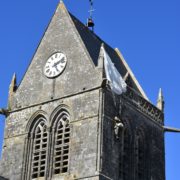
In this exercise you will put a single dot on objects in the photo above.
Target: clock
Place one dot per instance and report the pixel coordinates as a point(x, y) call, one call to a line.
point(55, 65)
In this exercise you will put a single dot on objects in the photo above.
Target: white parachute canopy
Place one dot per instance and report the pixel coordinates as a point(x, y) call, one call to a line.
point(116, 81)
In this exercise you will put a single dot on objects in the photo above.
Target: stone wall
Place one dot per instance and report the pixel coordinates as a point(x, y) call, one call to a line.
point(84, 112)
point(134, 120)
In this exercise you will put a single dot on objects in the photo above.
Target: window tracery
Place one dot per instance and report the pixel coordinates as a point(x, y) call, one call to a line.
point(39, 150)
point(61, 143)
point(47, 148)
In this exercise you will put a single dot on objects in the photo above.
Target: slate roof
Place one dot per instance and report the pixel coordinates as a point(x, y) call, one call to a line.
point(93, 44)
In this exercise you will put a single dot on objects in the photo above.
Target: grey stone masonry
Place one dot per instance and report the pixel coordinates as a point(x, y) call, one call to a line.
point(73, 127)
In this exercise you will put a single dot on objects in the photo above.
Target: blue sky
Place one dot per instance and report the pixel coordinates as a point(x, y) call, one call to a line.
point(146, 32)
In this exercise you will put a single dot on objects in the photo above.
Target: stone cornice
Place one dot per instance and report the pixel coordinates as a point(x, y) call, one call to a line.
point(144, 106)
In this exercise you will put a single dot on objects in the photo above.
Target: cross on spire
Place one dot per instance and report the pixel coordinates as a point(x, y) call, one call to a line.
point(91, 8)
point(90, 22)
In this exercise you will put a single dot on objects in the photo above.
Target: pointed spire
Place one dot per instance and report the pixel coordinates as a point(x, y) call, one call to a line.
point(101, 61)
point(61, 5)
point(13, 84)
point(101, 57)
point(160, 100)
point(12, 89)
point(61, 2)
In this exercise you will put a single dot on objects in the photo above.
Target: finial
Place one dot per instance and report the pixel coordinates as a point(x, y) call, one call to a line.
point(90, 22)
point(101, 57)
point(102, 45)
point(13, 82)
point(12, 89)
point(160, 100)
point(102, 48)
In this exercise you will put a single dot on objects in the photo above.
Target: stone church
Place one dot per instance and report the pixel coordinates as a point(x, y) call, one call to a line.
point(64, 122)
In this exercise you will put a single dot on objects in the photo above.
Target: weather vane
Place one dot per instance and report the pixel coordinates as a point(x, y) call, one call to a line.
point(90, 22)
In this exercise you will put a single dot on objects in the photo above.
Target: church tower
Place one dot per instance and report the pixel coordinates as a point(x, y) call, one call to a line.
point(69, 119)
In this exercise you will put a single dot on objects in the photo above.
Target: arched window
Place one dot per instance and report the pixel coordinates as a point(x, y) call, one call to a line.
point(140, 155)
point(126, 155)
point(47, 151)
point(36, 149)
point(61, 142)
point(125, 166)
point(39, 150)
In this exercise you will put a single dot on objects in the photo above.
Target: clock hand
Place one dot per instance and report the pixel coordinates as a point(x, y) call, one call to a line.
point(55, 64)
point(57, 68)
point(60, 61)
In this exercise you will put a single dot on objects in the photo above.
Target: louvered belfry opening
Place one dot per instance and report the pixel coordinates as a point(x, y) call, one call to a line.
point(39, 150)
point(47, 146)
point(61, 143)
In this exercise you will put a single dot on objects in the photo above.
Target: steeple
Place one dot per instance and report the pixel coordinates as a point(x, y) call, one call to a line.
point(73, 88)
point(160, 100)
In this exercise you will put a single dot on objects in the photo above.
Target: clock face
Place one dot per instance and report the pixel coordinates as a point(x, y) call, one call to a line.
point(55, 65)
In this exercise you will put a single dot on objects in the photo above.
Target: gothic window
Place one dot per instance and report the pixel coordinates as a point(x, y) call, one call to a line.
point(47, 151)
point(61, 143)
point(126, 155)
point(36, 149)
point(125, 169)
point(39, 150)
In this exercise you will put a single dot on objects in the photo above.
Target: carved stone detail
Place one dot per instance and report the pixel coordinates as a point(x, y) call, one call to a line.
point(118, 127)
point(144, 105)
